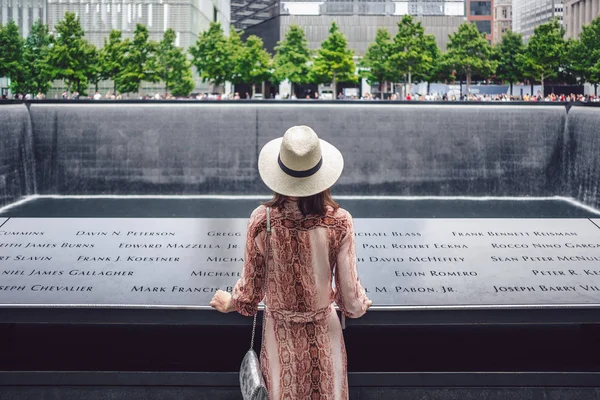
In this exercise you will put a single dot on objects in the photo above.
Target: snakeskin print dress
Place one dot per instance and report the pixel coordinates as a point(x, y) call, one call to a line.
point(303, 354)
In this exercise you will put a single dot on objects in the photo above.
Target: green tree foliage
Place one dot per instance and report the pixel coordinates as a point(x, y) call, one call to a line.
point(235, 47)
point(376, 62)
point(11, 52)
point(545, 52)
point(173, 67)
point(69, 55)
point(211, 56)
point(434, 73)
point(292, 57)
point(469, 53)
point(139, 62)
point(112, 57)
point(254, 65)
point(36, 73)
point(410, 56)
point(333, 62)
point(94, 69)
point(509, 56)
point(585, 53)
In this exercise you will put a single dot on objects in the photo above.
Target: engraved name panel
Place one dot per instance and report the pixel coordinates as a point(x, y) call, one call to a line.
point(401, 262)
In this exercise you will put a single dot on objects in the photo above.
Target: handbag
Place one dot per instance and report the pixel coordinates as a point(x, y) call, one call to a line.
point(252, 382)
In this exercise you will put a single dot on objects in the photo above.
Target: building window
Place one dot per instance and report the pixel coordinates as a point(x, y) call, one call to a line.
point(484, 26)
point(504, 13)
point(481, 8)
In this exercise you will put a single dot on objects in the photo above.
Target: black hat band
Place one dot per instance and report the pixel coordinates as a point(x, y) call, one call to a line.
point(300, 174)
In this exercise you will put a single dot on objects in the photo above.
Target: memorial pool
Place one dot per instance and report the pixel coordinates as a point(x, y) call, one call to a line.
point(477, 227)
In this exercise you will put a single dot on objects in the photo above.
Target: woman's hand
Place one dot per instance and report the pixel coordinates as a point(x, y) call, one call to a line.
point(221, 302)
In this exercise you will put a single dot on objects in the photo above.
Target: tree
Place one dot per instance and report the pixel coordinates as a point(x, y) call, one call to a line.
point(93, 69)
point(377, 60)
point(173, 68)
point(36, 73)
point(11, 51)
point(410, 55)
point(112, 57)
point(139, 62)
point(211, 56)
point(509, 55)
point(292, 57)
point(333, 62)
point(585, 54)
point(469, 53)
point(545, 52)
point(435, 72)
point(235, 47)
point(69, 55)
point(255, 63)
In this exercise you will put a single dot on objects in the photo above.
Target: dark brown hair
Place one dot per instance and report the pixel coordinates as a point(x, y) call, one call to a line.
point(311, 205)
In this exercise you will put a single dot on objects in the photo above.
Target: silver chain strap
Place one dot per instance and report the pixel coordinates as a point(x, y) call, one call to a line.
point(268, 237)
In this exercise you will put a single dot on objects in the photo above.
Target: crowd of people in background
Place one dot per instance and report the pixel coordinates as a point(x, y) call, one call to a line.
point(315, 96)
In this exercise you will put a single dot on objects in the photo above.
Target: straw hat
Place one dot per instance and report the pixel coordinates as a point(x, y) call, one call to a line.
point(299, 164)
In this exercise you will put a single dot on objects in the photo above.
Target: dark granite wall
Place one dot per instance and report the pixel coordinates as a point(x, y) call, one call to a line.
point(208, 148)
point(212, 148)
point(582, 167)
point(145, 148)
point(16, 158)
point(435, 150)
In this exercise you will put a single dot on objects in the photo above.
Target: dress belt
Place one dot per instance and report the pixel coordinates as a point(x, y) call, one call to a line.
point(300, 316)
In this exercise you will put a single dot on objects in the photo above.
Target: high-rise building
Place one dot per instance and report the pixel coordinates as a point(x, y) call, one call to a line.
point(188, 18)
point(479, 12)
point(24, 12)
point(357, 19)
point(502, 18)
point(246, 13)
point(578, 13)
point(528, 14)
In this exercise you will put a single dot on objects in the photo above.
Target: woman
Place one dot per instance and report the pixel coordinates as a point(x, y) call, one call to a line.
point(312, 243)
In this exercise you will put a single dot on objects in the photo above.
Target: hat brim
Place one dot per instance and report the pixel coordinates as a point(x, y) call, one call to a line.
point(280, 182)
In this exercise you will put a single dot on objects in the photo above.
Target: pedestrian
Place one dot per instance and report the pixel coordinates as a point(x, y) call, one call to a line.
point(311, 245)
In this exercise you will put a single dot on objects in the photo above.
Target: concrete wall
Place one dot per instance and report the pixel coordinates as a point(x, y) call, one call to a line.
point(16, 158)
point(389, 149)
point(582, 168)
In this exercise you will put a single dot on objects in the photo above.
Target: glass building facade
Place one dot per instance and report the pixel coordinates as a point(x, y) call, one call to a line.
point(479, 12)
point(528, 14)
point(98, 17)
point(24, 12)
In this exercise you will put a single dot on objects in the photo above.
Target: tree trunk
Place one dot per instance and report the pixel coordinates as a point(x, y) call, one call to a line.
point(263, 89)
point(511, 90)
point(595, 89)
point(532, 88)
point(114, 86)
point(542, 86)
point(468, 83)
point(291, 89)
point(428, 87)
point(253, 89)
point(334, 84)
point(408, 91)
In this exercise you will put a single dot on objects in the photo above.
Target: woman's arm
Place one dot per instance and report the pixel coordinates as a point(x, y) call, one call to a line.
point(350, 295)
point(250, 288)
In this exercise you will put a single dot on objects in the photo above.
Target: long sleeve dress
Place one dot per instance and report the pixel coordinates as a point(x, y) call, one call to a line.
point(303, 353)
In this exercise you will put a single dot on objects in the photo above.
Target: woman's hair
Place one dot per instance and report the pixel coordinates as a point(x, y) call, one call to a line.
point(311, 205)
